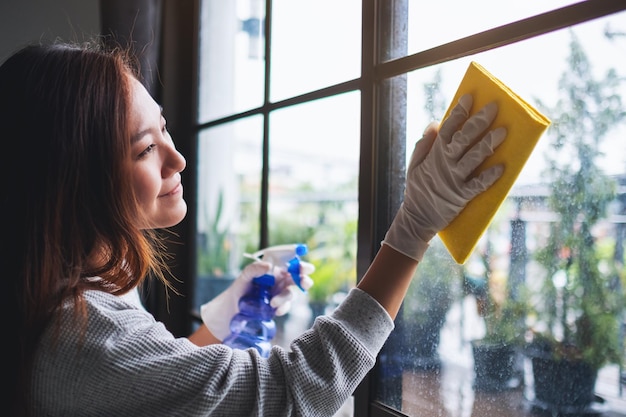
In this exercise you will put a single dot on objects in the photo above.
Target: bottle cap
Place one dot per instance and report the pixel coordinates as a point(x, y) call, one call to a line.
point(265, 280)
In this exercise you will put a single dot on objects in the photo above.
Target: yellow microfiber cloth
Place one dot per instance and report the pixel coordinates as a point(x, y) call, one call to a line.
point(524, 125)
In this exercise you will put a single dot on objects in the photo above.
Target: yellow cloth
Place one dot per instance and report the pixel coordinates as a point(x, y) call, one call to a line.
point(524, 125)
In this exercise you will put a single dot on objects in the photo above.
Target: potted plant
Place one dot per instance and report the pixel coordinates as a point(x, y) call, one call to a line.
point(334, 257)
point(576, 311)
point(328, 280)
point(214, 257)
point(496, 364)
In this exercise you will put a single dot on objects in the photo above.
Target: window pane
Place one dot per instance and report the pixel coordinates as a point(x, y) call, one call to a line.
point(438, 22)
point(229, 178)
point(527, 267)
point(314, 154)
point(231, 64)
point(314, 44)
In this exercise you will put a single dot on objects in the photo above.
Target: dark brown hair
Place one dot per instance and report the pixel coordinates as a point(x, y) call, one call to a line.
point(68, 209)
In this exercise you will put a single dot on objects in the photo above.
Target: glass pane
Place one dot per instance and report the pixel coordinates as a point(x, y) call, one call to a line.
point(229, 183)
point(314, 155)
point(551, 266)
point(458, 19)
point(232, 65)
point(314, 44)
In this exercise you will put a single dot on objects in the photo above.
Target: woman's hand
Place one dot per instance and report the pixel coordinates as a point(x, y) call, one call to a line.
point(217, 313)
point(439, 180)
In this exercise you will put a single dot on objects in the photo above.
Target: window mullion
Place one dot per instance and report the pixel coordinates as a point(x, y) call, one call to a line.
point(265, 169)
point(383, 138)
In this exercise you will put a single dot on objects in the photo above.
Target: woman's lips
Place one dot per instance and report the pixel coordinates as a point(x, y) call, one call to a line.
point(176, 190)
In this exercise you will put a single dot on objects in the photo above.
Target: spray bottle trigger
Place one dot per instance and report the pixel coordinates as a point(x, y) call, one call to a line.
point(293, 267)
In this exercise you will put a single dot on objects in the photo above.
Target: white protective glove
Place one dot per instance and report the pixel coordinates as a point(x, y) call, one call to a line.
point(217, 313)
point(439, 182)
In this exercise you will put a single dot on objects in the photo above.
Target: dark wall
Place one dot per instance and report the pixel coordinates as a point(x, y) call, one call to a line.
point(25, 21)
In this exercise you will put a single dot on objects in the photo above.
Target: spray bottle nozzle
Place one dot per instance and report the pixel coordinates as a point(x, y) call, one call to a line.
point(301, 249)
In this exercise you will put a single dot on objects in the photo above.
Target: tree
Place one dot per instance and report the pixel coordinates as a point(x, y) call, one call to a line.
point(578, 307)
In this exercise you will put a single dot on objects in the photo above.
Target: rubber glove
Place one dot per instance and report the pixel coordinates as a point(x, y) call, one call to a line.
point(217, 313)
point(439, 180)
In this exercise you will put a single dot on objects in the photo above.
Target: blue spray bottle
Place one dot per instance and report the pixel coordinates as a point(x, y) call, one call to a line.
point(254, 325)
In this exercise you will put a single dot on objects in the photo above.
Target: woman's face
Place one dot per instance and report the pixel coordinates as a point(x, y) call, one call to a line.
point(156, 164)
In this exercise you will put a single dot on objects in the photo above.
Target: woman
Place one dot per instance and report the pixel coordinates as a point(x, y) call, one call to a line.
point(93, 173)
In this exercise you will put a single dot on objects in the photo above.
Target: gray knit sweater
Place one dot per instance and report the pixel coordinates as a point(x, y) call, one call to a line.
point(128, 364)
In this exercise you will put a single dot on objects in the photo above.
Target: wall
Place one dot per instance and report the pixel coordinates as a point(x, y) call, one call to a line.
point(25, 21)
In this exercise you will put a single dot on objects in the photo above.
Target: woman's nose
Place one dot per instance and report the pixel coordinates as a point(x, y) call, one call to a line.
point(175, 161)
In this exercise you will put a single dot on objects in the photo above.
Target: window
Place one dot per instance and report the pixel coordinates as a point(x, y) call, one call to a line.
point(428, 367)
point(307, 114)
point(273, 172)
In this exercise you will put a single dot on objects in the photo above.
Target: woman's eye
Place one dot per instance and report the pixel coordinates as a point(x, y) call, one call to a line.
point(146, 151)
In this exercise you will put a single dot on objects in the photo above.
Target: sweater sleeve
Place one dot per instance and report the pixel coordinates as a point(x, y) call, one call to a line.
point(126, 363)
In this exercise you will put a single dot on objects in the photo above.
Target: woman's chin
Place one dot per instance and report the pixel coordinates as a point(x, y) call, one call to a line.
point(172, 218)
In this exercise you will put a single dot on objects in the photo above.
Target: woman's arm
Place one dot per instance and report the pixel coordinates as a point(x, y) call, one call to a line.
point(388, 277)
point(203, 337)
